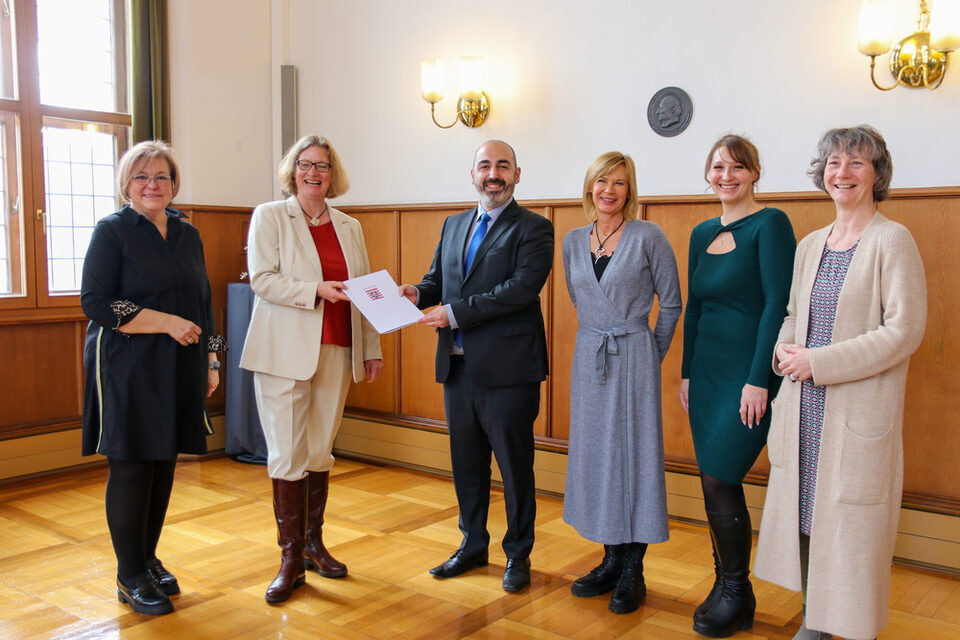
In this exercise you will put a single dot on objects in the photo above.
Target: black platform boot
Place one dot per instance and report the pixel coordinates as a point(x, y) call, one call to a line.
point(631, 589)
point(602, 578)
point(736, 605)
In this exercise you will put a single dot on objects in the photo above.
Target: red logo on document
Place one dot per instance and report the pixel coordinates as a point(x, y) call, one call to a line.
point(374, 293)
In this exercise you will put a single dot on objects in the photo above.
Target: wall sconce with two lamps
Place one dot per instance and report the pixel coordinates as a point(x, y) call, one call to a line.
point(920, 59)
point(473, 106)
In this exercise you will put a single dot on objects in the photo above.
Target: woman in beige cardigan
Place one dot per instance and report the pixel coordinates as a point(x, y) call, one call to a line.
point(305, 342)
point(856, 313)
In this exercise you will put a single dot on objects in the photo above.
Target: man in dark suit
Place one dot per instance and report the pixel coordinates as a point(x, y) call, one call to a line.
point(490, 264)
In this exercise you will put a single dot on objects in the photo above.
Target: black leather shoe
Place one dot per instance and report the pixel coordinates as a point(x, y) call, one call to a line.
point(145, 596)
point(164, 579)
point(459, 563)
point(516, 577)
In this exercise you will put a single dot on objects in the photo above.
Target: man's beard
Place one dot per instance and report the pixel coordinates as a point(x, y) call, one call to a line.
point(493, 200)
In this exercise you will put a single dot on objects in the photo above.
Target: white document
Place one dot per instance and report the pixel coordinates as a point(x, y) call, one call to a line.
point(378, 298)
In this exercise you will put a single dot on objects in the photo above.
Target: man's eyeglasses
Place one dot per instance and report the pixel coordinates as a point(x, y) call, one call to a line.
point(143, 180)
point(322, 167)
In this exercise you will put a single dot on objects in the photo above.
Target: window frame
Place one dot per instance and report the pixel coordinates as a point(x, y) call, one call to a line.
point(37, 298)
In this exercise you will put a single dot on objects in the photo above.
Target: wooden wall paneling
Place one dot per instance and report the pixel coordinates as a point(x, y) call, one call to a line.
point(224, 234)
point(677, 341)
point(381, 235)
point(677, 220)
point(42, 385)
point(420, 395)
point(542, 426)
point(806, 215)
point(932, 404)
point(564, 324)
point(80, 338)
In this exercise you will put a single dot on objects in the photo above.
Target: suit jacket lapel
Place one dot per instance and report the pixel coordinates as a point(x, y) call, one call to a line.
point(303, 234)
point(461, 236)
point(341, 227)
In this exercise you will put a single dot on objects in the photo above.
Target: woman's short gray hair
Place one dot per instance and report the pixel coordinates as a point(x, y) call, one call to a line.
point(863, 140)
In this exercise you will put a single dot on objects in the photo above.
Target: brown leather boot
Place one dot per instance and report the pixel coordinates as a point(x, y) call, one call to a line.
point(315, 555)
point(289, 499)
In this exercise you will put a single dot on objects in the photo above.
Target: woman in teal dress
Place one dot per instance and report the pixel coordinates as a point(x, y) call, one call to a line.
point(740, 268)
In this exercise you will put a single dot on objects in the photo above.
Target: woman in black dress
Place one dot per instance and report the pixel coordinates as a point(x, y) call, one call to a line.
point(150, 362)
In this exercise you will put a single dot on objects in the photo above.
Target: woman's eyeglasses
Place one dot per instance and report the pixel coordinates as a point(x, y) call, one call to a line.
point(322, 167)
point(143, 180)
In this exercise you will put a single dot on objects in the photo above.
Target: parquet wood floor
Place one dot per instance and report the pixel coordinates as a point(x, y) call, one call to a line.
point(390, 526)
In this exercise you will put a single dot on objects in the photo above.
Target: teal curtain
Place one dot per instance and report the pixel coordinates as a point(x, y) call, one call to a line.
point(149, 98)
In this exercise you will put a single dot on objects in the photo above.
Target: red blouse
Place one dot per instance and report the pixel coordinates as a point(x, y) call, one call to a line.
point(336, 316)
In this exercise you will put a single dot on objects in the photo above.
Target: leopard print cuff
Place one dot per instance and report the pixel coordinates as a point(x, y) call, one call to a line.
point(122, 309)
point(216, 344)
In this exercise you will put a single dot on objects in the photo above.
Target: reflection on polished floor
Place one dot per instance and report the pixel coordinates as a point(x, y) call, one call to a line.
point(389, 526)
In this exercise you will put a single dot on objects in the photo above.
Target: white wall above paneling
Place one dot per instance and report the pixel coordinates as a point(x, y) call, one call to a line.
point(221, 100)
point(567, 81)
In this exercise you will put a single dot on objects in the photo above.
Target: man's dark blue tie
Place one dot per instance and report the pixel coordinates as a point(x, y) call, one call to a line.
point(475, 241)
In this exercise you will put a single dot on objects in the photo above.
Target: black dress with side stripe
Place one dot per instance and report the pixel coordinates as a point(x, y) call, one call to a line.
point(145, 394)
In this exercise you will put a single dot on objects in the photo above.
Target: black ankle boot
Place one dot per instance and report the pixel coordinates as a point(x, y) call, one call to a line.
point(714, 594)
point(630, 591)
point(602, 578)
point(736, 605)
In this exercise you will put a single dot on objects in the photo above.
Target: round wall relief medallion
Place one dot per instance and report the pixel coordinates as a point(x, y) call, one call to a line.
point(669, 111)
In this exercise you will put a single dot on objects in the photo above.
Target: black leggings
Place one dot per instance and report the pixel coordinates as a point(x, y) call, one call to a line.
point(722, 497)
point(138, 492)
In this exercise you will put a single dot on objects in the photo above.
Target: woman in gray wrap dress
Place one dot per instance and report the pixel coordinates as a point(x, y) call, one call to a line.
point(615, 491)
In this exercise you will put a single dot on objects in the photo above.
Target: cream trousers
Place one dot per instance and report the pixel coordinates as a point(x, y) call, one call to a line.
point(300, 418)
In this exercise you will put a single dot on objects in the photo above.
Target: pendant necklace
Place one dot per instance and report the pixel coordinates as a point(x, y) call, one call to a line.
point(315, 222)
point(600, 249)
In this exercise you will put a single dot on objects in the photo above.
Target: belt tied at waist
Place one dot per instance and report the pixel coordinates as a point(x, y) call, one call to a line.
point(608, 341)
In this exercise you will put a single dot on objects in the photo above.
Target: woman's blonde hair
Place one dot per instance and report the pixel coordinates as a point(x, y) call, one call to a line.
point(339, 183)
point(605, 164)
point(139, 155)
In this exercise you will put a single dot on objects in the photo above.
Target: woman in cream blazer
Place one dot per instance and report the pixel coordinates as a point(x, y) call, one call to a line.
point(304, 344)
point(849, 497)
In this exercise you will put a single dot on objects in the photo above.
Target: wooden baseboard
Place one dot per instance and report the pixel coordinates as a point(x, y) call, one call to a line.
point(925, 539)
point(60, 451)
